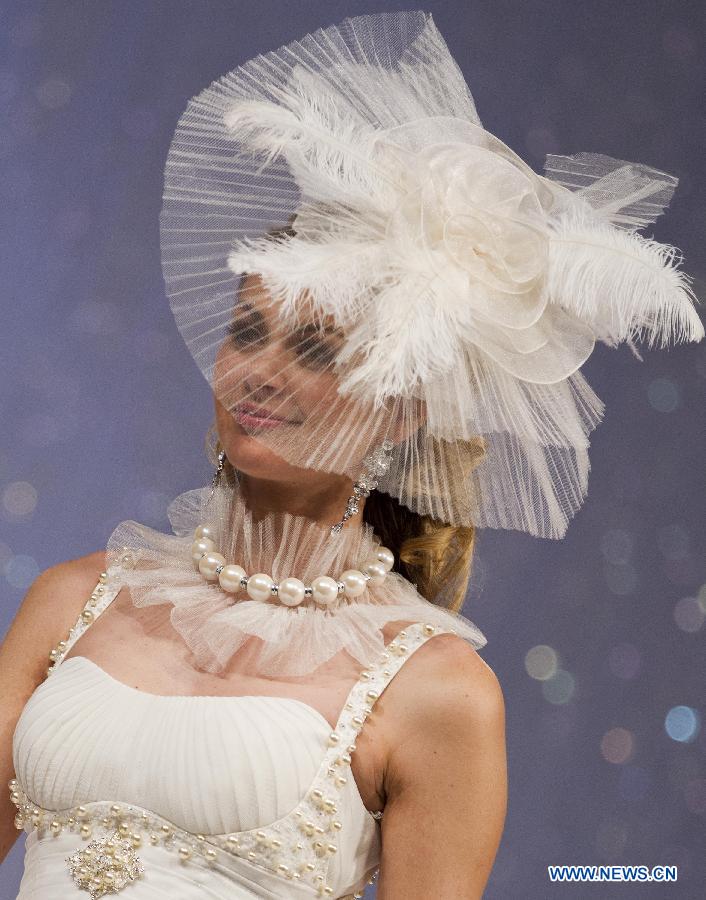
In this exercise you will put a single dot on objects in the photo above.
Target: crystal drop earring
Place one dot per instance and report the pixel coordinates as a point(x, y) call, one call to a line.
point(217, 474)
point(375, 465)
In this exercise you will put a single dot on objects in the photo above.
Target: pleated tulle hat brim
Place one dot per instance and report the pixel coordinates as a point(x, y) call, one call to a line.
point(347, 248)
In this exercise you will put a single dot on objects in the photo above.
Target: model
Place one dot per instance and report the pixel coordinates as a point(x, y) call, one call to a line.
point(282, 698)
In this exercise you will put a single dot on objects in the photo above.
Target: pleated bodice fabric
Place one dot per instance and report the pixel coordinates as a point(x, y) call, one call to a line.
point(242, 761)
point(205, 770)
point(210, 765)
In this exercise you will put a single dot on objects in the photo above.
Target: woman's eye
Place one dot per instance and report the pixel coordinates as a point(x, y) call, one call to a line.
point(312, 348)
point(316, 353)
point(246, 334)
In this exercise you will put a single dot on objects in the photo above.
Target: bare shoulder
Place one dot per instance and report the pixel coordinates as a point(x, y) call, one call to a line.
point(449, 661)
point(49, 608)
point(63, 588)
point(445, 684)
point(459, 679)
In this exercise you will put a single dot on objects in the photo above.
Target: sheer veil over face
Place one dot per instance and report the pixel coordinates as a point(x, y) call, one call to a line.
point(276, 386)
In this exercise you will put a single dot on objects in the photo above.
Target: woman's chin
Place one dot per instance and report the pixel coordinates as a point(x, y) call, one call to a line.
point(250, 456)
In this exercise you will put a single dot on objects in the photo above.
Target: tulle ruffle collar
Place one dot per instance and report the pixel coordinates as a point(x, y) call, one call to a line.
point(158, 568)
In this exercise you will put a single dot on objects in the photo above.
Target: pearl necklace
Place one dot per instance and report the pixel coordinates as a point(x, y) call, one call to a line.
point(323, 590)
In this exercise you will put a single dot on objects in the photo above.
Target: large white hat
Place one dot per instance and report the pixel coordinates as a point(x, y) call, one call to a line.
point(460, 290)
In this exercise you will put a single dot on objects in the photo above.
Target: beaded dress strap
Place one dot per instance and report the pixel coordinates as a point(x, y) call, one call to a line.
point(102, 595)
point(367, 690)
point(359, 704)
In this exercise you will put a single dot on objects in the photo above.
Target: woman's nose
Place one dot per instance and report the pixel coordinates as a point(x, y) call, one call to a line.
point(267, 371)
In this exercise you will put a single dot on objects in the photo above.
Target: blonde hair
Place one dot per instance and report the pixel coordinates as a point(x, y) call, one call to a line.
point(433, 555)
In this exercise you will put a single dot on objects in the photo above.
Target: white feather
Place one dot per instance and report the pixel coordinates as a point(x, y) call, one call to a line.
point(407, 339)
point(624, 285)
point(329, 150)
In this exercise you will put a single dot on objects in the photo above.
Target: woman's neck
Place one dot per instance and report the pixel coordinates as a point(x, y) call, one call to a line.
point(323, 503)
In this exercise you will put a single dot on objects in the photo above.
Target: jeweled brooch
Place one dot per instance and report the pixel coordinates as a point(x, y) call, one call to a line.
point(105, 865)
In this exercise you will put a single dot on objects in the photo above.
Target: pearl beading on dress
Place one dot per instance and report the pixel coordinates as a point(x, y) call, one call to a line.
point(323, 590)
point(297, 847)
point(101, 596)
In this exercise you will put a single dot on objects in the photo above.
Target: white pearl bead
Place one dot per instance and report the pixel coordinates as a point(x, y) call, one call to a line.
point(325, 590)
point(386, 557)
point(205, 531)
point(260, 586)
point(201, 546)
point(291, 591)
point(354, 582)
point(376, 570)
point(209, 563)
point(230, 576)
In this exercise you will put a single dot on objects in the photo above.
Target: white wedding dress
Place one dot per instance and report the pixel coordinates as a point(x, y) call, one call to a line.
point(217, 797)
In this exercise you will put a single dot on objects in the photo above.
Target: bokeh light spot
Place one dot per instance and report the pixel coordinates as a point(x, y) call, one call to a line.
point(701, 598)
point(611, 838)
point(617, 546)
point(54, 93)
point(95, 317)
point(19, 498)
point(689, 614)
point(624, 661)
point(5, 556)
point(621, 580)
point(21, 570)
point(560, 688)
point(541, 141)
point(663, 395)
point(541, 662)
point(682, 723)
point(695, 795)
point(617, 745)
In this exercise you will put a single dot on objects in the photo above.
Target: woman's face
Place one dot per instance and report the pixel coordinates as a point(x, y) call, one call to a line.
point(275, 389)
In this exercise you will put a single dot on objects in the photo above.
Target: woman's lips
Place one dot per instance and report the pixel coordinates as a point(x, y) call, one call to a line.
point(249, 415)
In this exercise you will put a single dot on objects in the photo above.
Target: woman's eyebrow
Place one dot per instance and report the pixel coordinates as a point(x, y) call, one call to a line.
point(326, 330)
point(309, 330)
point(247, 311)
point(244, 305)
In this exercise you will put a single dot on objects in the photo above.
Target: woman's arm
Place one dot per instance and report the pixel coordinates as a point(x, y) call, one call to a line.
point(49, 609)
point(446, 781)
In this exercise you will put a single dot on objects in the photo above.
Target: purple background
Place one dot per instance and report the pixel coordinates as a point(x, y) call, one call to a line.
point(104, 411)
